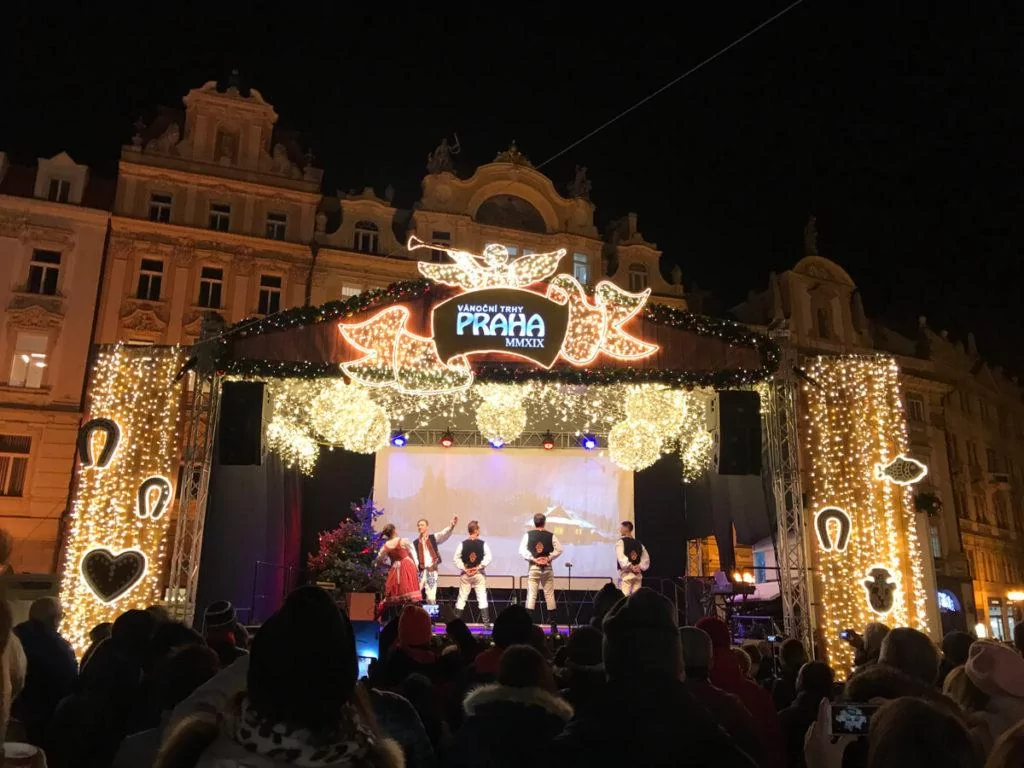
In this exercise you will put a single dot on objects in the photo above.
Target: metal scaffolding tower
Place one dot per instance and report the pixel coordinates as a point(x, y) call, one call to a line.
point(781, 448)
point(202, 407)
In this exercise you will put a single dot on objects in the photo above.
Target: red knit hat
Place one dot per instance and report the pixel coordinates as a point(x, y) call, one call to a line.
point(717, 630)
point(414, 629)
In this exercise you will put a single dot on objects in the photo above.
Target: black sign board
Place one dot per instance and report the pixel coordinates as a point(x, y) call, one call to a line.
point(506, 320)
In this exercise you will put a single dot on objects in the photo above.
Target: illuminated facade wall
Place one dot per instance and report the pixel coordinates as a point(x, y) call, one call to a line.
point(116, 550)
point(855, 427)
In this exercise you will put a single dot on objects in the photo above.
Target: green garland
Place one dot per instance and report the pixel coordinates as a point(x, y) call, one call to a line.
point(728, 331)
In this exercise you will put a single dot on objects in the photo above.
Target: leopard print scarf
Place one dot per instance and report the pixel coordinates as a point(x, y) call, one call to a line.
point(349, 743)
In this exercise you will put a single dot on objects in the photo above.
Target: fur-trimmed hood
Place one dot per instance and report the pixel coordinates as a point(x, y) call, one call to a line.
point(528, 697)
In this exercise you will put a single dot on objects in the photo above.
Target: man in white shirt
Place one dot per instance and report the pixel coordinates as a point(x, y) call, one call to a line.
point(471, 558)
point(539, 548)
point(631, 559)
point(427, 556)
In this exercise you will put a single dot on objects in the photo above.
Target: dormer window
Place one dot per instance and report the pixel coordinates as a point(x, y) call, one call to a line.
point(367, 239)
point(638, 278)
point(59, 191)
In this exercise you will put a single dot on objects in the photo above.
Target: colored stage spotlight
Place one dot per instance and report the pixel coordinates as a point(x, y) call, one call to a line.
point(548, 442)
point(497, 443)
point(589, 442)
point(399, 439)
point(447, 439)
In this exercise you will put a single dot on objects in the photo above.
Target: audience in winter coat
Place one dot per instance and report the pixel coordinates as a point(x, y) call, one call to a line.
point(813, 685)
point(997, 675)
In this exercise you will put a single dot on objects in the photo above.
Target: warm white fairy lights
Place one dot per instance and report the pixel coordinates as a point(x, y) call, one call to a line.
point(855, 421)
point(134, 387)
point(311, 412)
point(635, 444)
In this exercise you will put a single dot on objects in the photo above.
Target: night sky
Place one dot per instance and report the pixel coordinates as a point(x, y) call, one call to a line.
point(898, 124)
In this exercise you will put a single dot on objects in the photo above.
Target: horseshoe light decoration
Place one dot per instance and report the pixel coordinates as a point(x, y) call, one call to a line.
point(85, 448)
point(842, 539)
point(154, 497)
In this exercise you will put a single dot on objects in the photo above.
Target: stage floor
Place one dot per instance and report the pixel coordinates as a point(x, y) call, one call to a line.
point(481, 630)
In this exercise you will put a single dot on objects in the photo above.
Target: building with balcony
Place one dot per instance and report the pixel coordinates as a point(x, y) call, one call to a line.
point(53, 227)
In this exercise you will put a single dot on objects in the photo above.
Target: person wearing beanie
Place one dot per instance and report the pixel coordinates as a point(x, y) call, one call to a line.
point(645, 716)
point(725, 708)
point(997, 671)
point(301, 704)
point(726, 674)
point(219, 628)
point(412, 652)
point(604, 601)
point(511, 722)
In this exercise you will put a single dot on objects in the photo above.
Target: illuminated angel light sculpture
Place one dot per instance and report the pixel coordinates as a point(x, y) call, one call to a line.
point(490, 270)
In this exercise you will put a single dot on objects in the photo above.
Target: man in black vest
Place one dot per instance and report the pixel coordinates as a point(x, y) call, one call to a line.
point(471, 558)
point(631, 558)
point(540, 548)
point(427, 555)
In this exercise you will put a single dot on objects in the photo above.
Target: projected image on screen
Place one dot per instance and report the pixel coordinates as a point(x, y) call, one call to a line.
point(584, 495)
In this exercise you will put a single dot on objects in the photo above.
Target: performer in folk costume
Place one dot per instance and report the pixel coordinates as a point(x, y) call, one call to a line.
point(632, 559)
point(401, 586)
point(540, 548)
point(471, 558)
point(428, 557)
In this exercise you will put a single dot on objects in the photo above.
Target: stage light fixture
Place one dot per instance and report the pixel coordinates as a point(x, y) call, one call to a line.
point(497, 443)
point(548, 442)
point(589, 442)
point(399, 439)
point(748, 578)
point(447, 439)
point(737, 577)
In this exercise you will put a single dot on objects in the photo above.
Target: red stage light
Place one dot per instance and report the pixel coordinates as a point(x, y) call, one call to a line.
point(548, 442)
point(447, 439)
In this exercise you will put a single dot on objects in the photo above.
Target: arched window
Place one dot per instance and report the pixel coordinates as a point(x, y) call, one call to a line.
point(638, 278)
point(824, 322)
point(367, 238)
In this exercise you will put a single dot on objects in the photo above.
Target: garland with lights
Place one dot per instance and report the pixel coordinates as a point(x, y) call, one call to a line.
point(728, 331)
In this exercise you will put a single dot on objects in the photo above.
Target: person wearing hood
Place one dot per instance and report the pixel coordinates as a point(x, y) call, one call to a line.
point(997, 671)
point(645, 716)
point(726, 674)
point(512, 722)
point(412, 653)
point(301, 706)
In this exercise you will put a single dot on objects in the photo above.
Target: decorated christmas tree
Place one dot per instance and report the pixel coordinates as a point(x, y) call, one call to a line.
point(348, 554)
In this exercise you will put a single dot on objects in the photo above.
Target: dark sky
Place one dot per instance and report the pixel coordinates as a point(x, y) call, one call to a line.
point(897, 123)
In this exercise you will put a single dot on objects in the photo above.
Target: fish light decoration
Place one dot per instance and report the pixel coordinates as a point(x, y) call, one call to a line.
point(902, 470)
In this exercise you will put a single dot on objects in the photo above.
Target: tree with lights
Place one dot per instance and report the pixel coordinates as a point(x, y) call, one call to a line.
point(348, 554)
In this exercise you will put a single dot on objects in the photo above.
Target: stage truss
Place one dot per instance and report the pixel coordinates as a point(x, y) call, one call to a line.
point(203, 410)
point(781, 449)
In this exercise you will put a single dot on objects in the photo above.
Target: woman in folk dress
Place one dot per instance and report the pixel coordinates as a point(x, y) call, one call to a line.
point(403, 583)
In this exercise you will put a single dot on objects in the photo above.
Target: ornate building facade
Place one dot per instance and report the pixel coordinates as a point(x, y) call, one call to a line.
point(963, 422)
point(53, 226)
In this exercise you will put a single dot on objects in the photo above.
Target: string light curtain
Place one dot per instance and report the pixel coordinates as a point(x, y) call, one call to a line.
point(116, 547)
point(855, 425)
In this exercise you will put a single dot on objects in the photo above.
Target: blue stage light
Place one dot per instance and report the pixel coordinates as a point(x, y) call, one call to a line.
point(399, 439)
point(589, 442)
point(497, 443)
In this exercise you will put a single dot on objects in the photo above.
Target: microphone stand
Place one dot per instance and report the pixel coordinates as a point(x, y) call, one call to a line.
point(567, 615)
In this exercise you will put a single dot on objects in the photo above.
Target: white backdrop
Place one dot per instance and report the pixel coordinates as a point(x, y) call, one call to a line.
point(503, 489)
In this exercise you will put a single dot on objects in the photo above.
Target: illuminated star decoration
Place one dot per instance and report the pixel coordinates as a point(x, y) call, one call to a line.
point(902, 470)
point(844, 524)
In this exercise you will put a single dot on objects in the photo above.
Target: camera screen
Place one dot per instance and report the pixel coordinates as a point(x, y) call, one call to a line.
point(850, 719)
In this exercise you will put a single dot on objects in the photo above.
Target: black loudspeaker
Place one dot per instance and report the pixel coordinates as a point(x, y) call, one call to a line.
point(738, 433)
point(243, 406)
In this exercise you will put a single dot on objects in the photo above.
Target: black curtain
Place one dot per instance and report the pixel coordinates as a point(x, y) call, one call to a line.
point(251, 539)
point(659, 515)
point(341, 478)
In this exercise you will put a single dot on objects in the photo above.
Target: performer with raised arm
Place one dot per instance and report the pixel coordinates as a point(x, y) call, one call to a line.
point(471, 558)
point(401, 585)
point(631, 559)
point(539, 548)
point(427, 555)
